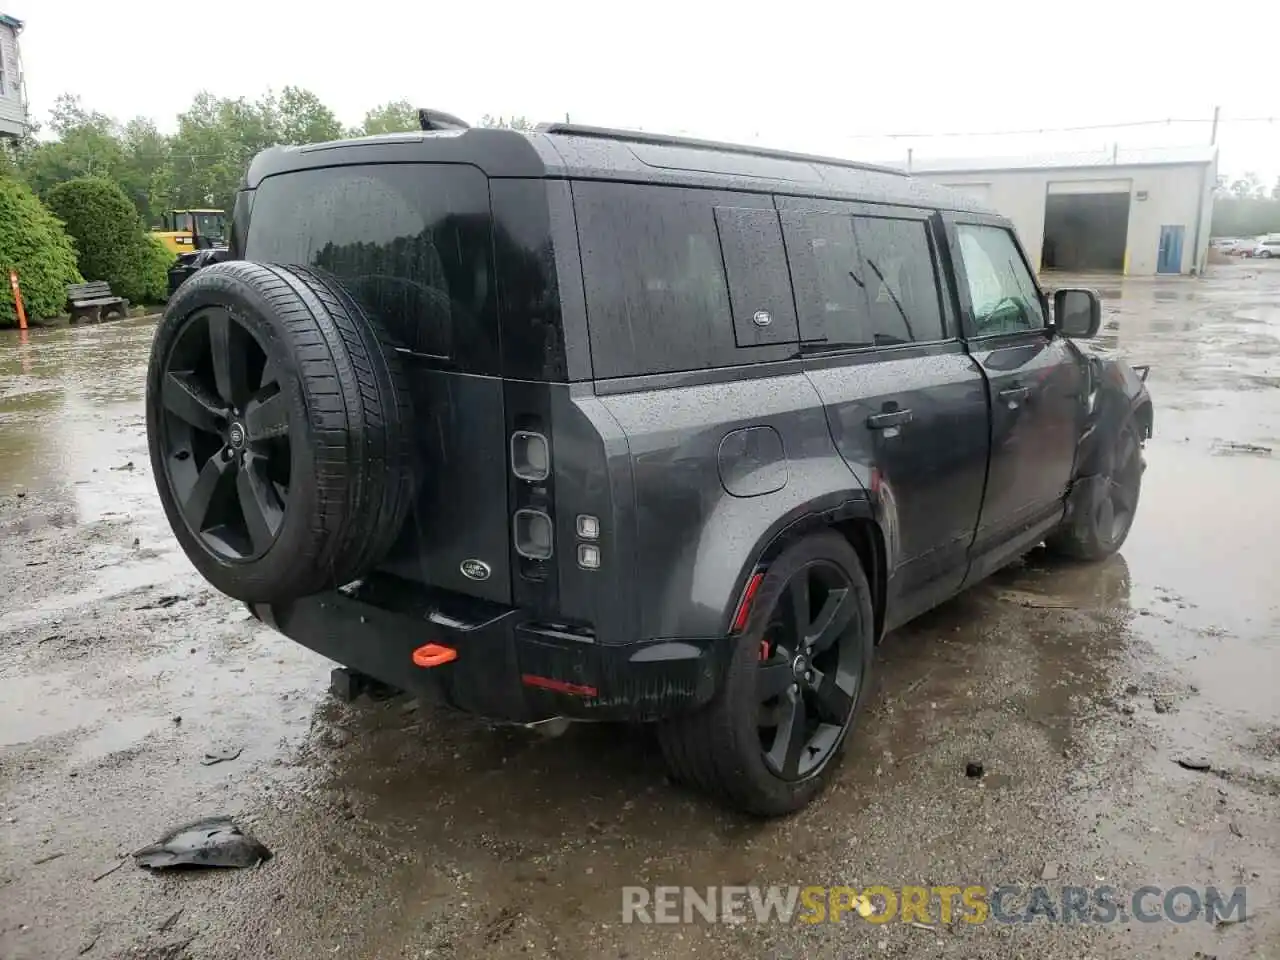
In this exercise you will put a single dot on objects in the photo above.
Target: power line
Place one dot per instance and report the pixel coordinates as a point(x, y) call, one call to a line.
point(1168, 121)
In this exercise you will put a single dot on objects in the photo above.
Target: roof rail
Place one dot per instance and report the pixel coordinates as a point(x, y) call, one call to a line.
point(666, 140)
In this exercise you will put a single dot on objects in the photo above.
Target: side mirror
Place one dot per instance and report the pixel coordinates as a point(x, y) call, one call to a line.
point(1077, 312)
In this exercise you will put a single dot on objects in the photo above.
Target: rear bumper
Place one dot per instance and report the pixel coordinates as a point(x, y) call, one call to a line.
point(508, 667)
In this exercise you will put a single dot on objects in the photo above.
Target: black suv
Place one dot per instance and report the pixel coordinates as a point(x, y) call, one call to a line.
point(604, 425)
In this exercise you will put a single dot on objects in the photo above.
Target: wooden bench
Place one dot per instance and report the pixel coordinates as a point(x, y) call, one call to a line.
point(94, 300)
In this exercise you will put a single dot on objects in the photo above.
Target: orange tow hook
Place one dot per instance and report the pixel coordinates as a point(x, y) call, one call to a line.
point(434, 655)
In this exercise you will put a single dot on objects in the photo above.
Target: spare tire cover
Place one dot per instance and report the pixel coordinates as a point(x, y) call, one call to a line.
point(278, 419)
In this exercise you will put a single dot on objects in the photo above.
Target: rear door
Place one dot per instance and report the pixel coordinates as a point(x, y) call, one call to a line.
point(905, 404)
point(1036, 384)
point(413, 244)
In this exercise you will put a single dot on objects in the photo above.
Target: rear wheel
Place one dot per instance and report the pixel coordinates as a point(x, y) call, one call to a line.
point(799, 673)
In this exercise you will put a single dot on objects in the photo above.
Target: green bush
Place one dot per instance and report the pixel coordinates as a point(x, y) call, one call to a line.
point(112, 243)
point(155, 261)
point(33, 242)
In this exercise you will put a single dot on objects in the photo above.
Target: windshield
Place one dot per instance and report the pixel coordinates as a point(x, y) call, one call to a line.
point(211, 225)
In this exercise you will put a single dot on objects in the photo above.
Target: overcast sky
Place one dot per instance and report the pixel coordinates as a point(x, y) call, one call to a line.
point(802, 75)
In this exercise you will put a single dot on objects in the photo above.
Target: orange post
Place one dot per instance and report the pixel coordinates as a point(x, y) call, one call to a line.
point(17, 299)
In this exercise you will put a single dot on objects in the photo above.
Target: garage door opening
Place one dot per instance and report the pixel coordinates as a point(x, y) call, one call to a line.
point(1086, 230)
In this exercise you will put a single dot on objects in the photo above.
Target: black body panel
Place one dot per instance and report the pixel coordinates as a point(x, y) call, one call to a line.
point(460, 510)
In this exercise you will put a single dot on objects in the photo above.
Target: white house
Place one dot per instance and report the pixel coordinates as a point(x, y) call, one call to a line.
point(13, 98)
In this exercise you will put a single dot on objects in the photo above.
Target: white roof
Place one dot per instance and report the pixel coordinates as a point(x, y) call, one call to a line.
point(1131, 157)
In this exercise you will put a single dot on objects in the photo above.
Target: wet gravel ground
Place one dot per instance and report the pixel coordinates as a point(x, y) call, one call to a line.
point(403, 831)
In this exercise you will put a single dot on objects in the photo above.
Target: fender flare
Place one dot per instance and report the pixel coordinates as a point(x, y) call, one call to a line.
point(843, 510)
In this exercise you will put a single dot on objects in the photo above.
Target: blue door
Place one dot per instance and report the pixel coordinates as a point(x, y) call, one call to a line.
point(1170, 259)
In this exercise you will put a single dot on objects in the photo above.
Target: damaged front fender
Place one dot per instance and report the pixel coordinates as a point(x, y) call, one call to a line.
point(1117, 394)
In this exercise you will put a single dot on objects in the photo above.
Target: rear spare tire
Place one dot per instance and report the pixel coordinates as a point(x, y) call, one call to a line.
point(278, 418)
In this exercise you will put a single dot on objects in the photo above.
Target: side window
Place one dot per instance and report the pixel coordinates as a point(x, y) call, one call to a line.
point(657, 299)
point(756, 264)
point(904, 301)
point(825, 270)
point(1001, 290)
point(658, 266)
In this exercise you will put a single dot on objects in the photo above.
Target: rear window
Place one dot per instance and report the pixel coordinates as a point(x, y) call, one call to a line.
point(411, 242)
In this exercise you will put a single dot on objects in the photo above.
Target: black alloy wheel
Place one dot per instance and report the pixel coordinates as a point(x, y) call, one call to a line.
point(225, 432)
point(1116, 509)
point(772, 736)
point(1104, 516)
point(810, 670)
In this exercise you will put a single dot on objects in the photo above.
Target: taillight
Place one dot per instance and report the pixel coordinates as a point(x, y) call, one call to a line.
point(530, 456)
point(533, 532)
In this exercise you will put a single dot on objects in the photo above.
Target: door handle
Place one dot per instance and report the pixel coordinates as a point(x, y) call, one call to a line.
point(1013, 394)
point(892, 418)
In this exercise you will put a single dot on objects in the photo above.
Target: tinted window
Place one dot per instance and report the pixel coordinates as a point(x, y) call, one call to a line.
point(1002, 294)
point(863, 281)
point(211, 225)
point(897, 272)
point(755, 262)
point(826, 273)
point(657, 299)
point(411, 242)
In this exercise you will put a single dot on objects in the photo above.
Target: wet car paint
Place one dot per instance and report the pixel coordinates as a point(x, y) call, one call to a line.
point(402, 831)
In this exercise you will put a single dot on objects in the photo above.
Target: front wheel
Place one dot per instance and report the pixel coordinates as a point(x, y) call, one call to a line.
point(798, 675)
point(1105, 524)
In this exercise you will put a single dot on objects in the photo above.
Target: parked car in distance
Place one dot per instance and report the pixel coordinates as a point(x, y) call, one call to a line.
point(606, 425)
point(1267, 247)
point(1226, 244)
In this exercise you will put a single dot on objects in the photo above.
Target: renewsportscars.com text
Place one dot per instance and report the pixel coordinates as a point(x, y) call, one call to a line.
point(972, 904)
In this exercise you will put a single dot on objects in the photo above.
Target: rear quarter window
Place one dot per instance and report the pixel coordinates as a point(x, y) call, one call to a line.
point(659, 298)
point(412, 243)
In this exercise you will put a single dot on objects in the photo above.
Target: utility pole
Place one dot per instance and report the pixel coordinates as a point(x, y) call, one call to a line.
point(909, 151)
point(1213, 132)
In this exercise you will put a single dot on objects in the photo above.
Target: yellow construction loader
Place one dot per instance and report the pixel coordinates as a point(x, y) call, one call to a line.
point(186, 231)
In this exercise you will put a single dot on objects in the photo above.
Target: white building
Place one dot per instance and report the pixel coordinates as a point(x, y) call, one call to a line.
point(13, 98)
point(1137, 212)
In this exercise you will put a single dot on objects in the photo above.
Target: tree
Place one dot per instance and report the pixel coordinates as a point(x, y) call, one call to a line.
point(218, 138)
point(302, 118)
point(203, 163)
point(395, 116)
point(146, 157)
point(111, 241)
point(33, 242)
point(87, 145)
point(1248, 186)
point(1275, 190)
point(510, 123)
